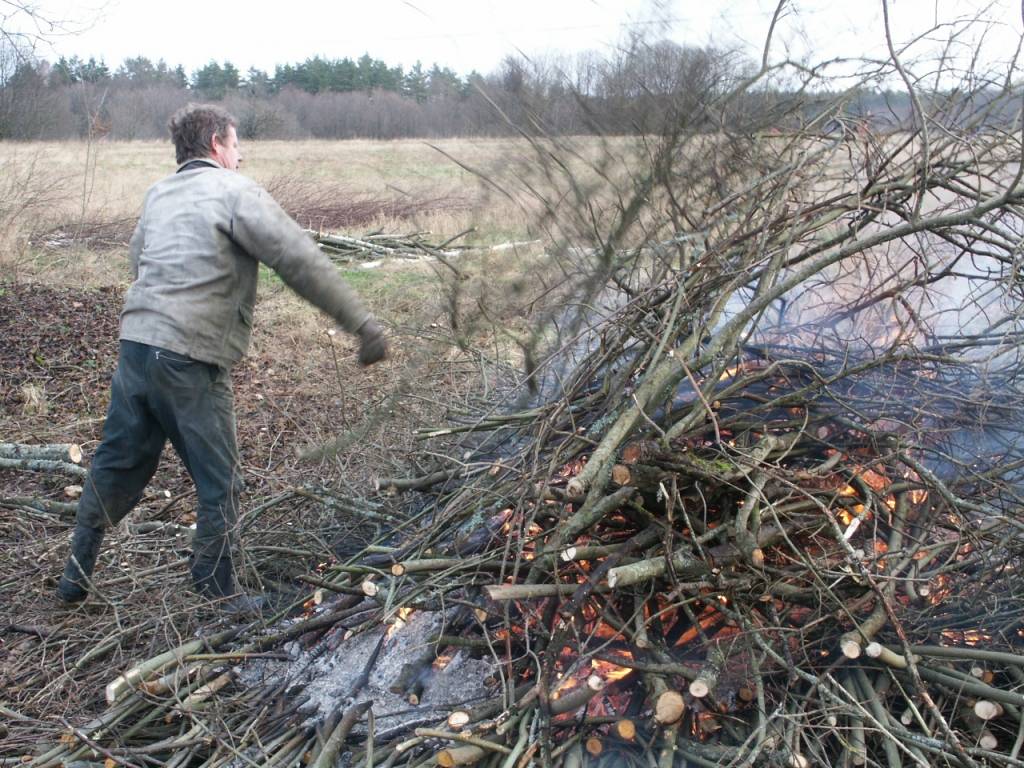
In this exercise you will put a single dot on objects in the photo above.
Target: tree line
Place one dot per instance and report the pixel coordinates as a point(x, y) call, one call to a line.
point(637, 89)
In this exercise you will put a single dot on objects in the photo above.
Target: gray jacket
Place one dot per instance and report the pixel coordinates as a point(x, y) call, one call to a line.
point(195, 255)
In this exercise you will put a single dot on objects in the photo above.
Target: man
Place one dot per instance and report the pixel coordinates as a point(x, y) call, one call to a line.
point(187, 318)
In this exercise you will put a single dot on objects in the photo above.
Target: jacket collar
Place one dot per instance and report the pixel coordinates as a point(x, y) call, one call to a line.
point(203, 160)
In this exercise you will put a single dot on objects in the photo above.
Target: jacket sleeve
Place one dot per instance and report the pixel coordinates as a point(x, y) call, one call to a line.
point(135, 249)
point(267, 233)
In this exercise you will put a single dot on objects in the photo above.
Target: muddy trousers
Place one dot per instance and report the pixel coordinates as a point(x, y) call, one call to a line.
point(156, 396)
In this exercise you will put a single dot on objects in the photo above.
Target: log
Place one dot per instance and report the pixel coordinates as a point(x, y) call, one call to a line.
point(430, 564)
point(685, 563)
point(625, 729)
point(337, 738)
point(852, 642)
point(64, 452)
point(978, 727)
point(397, 484)
point(669, 708)
point(465, 738)
point(414, 671)
point(594, 746)
point(707, 678)
point(467, 754)
point(502, 592)
point(415, 693)
point(884, 655)
point(987, 710)
point(138, 674)
point(44, 465)
point(577, 697)
point(199, 697)
point(58, 508)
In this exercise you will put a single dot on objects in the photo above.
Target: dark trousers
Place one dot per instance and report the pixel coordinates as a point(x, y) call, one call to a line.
point(157, 395)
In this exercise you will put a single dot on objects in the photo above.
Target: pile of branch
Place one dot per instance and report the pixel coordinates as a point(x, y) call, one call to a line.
point(344, 248)
point(764, 510)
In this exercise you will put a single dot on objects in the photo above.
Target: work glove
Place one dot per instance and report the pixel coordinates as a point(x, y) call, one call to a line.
point(372, 346)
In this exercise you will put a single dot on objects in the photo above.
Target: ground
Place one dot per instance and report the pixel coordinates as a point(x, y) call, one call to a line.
point(298, 389)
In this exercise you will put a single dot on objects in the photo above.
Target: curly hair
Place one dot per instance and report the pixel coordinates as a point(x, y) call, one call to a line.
point(194, 126)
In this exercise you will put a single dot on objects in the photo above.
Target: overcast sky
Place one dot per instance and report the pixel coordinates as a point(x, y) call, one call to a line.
point(471, 35)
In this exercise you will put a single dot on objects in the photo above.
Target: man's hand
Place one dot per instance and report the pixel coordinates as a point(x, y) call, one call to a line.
point(372, 346)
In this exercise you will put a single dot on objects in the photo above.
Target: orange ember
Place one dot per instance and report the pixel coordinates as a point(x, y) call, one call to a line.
point(969, 637)
point(400, 621)
point(608, 671)
point(572, 468)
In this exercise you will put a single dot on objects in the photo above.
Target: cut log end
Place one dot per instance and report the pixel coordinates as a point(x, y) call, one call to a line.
point(850, 647)
point(397, 569)
point(625, 729)
point(369, 588)
point(594, 746)
point(699, 688)
point(469, 754)
point(458, 719)
point(988, 741)
point(621, 475)
point(797, 760)
point(987, 710)
point(669, 708)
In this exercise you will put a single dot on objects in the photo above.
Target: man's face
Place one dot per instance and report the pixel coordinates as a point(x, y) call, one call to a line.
point(226, 151)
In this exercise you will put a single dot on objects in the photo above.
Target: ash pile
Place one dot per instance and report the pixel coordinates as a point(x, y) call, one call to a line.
point(764, 507)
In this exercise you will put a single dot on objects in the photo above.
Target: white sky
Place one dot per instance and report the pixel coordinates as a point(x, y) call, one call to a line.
point(476, 34)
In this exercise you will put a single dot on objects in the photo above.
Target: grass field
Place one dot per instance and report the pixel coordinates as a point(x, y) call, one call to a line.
point(77, 184)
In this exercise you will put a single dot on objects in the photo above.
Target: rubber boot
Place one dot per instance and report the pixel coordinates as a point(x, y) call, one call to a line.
point(85, 546)
point(214, 578)
point(217, 580)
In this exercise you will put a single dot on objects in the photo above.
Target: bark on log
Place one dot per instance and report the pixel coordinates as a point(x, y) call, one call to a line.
point(500, 592)
point(138, 674)
point(467, 754)
point(707, 678)
point(44, 465)
point(337, 738)
point(58, 508)
point(66, 452)
point(685, 563)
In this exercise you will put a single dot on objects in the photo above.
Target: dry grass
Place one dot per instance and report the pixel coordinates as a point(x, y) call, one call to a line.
point(107, 180)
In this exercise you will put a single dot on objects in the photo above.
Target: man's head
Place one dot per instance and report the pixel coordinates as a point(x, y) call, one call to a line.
point(206, 130)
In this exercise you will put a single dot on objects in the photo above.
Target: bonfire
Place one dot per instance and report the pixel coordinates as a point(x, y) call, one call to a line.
point(755, 499)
